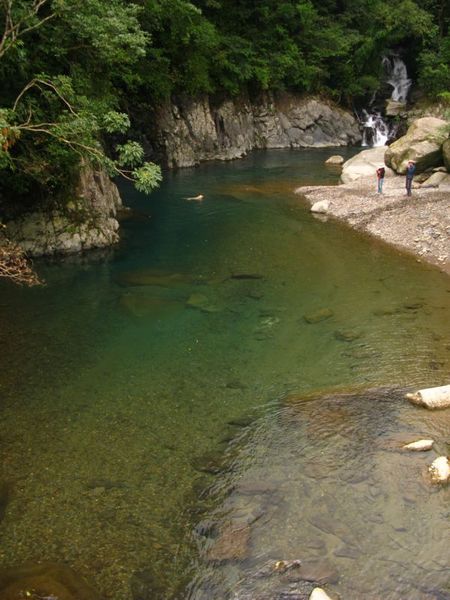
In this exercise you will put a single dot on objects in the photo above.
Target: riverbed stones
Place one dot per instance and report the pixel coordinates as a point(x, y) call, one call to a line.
point(422, 143)
point(432, 398)
point(440, 470)
point(44, 581)
point(322, 314)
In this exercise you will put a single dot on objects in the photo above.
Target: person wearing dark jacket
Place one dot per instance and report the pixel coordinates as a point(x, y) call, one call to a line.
point(410, 170)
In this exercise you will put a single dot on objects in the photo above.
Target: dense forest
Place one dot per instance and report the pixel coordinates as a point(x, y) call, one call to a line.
point(72, 72)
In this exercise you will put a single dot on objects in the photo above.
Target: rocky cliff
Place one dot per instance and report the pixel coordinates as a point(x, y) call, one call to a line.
point(191, 131)
point(88, 221)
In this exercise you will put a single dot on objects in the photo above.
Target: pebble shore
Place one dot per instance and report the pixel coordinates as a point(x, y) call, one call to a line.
point(419, 224)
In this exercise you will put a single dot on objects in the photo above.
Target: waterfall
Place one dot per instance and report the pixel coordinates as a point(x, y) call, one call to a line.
point(376, 130)
point(397, 77)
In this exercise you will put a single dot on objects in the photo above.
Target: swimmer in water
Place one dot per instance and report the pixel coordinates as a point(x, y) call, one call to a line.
point(199, 197)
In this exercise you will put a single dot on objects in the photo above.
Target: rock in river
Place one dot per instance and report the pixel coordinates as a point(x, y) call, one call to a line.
point(319, 315)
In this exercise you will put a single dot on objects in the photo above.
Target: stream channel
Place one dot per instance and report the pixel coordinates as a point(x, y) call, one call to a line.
point(172, 425)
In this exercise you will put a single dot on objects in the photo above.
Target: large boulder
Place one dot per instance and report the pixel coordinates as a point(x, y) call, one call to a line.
point(446, 154)
point(364, 164)
point(422, 143)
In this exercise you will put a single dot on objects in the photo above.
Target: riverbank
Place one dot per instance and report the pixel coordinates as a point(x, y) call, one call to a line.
point(419, 225)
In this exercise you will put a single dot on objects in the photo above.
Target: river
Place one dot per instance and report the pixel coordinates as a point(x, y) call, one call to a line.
point(208, 374)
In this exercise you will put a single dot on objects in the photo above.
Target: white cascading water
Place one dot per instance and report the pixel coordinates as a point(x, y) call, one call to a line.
point(376, 131)
point(397, 77)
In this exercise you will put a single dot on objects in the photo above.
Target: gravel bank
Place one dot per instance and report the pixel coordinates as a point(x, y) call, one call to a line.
point(419, 224)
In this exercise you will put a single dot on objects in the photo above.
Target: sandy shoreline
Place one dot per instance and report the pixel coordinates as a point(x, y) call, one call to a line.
point(419, 224)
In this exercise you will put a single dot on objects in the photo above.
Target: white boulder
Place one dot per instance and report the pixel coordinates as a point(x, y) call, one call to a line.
point(436, 397)
point(336, 159)
point(319, 594)
point(419, 446)
point(440, 470)
point(320, 207)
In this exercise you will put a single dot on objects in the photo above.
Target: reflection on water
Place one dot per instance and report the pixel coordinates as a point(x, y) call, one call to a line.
point(138, 392)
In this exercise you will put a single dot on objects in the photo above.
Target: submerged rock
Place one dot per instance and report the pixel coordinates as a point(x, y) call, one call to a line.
point(201, 302)
point(319, 315)
point(46, 581)
point(347, 335)
point(232, 543)
point(436, 397)
point(154, 277)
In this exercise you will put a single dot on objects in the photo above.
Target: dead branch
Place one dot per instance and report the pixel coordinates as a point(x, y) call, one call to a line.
point(14, 264)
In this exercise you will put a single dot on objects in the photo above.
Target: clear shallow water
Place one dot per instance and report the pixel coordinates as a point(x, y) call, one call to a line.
point(117, 398)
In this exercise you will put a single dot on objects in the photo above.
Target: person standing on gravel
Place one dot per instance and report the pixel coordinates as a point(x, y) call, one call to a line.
point(410, 170)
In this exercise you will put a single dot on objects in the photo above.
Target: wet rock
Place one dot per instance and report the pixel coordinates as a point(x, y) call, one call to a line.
point(48, 580)
point(318, 315)
point(437, 397)
point(347, 335)
point(440, 470)
point(232, 543)
point(419, 445)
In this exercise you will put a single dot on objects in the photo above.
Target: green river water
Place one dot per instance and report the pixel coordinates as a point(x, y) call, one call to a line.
point(154, 395)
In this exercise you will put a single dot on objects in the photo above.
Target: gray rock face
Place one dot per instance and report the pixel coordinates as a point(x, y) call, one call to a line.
point(422, 143)
point(194, 131)
point(85, 223)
